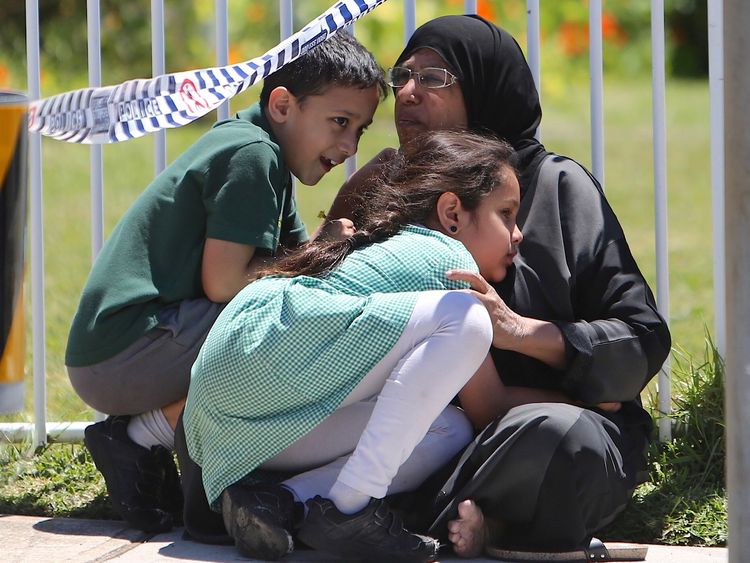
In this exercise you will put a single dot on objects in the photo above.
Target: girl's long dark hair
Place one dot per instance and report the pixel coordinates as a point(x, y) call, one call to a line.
point(467, 164)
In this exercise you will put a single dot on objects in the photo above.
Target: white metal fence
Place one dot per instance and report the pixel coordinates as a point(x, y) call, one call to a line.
point(40, 430)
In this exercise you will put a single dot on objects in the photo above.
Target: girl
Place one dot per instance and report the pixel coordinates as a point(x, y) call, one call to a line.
point(357, 347)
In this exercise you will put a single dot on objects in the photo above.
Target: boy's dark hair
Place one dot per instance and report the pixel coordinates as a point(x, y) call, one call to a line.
point(340, 60)
point(469, 165)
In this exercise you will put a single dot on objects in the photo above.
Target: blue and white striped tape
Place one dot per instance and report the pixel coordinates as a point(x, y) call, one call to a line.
point(111, 114)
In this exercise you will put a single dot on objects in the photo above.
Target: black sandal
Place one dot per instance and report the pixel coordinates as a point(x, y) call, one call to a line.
point(596, 551)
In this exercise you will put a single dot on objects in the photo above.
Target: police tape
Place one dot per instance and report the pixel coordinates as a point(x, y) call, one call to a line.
point(111, 114)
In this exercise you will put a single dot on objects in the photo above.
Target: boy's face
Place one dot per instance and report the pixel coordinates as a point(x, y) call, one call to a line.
point(323, 130)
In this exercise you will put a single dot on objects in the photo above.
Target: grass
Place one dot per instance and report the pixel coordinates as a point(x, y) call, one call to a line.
point(679, 505)
point(58, 480)
point(685, 502)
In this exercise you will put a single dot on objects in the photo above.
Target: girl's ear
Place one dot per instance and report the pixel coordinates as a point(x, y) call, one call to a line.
point(449, 213)
point(280, 102)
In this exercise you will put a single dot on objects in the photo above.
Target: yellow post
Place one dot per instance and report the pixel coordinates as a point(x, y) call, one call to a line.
point(13, 141)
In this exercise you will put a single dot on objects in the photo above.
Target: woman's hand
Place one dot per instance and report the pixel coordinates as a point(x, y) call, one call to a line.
point(508, 326)
point(538, 339)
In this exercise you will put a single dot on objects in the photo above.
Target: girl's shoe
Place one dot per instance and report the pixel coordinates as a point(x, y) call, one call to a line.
point(261, 519)
point(373, 534)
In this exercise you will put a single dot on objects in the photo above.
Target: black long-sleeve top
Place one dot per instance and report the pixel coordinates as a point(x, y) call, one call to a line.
point(575, 269)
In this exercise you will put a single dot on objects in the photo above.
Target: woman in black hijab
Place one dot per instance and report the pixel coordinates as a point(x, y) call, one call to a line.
point(562, 431)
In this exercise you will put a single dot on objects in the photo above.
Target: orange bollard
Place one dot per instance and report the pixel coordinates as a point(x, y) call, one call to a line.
point(13, 172)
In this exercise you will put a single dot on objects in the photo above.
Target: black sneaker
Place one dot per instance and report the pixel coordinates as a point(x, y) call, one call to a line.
point(373, 534)
point(135, 476)
point(261, 519)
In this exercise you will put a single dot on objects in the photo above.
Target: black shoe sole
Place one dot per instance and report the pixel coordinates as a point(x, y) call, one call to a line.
point(255, 533)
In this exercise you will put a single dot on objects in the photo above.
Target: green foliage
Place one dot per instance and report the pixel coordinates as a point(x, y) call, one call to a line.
point(57, 480)
point(688, 25)
point(698, 417)
point(685, 501)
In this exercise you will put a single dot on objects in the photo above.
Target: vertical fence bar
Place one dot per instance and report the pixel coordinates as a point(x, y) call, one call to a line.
point(660, 198)
point(533, 48)
point(158, 67)
point(286, 18)
point(596, 83)
point(222, 48)
point(286, 28)
point(350, 165)
point(37, 232)
point(410, 18)
point(96, 164)
point(93, 29)
point(716, 90)
point(737, 233)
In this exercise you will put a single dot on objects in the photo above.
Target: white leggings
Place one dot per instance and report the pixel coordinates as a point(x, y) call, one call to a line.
point(396, 427)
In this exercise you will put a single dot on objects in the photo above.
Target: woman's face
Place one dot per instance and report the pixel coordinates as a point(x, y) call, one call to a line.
point(420, 109)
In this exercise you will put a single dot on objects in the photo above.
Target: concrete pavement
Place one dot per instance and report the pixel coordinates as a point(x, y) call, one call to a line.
point(27, 539)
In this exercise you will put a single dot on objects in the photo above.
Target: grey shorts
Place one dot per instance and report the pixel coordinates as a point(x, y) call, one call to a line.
point(154, 371)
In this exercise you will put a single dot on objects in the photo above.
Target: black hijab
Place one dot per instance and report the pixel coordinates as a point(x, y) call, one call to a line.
point(495, 80)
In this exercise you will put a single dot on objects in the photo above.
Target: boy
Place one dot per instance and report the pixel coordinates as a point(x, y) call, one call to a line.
point(189, 243)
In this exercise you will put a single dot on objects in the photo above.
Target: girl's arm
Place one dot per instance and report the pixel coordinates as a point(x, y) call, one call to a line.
point(485, 397)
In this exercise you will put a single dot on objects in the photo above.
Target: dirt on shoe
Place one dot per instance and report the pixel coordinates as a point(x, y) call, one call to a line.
point(261, 518)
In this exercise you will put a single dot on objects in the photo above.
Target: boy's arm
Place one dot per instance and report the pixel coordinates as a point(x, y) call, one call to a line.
point(228, 267)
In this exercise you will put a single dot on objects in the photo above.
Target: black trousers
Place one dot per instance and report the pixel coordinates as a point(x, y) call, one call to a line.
point(201, 523)
point(546, 476)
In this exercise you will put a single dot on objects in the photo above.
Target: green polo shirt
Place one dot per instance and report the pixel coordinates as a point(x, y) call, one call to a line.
point(232, 185)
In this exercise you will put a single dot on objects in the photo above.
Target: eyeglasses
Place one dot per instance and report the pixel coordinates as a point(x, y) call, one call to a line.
point(399, 76)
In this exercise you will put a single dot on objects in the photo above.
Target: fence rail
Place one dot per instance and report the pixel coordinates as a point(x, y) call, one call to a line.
point(40, 431)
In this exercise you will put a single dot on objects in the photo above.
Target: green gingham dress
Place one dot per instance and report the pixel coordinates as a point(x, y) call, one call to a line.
point(286, 352)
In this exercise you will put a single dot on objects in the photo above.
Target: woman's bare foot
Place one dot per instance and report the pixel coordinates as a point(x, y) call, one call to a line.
point(468, 533)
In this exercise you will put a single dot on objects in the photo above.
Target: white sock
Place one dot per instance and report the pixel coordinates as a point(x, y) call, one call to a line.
point(151, 429)
point(347, 499)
